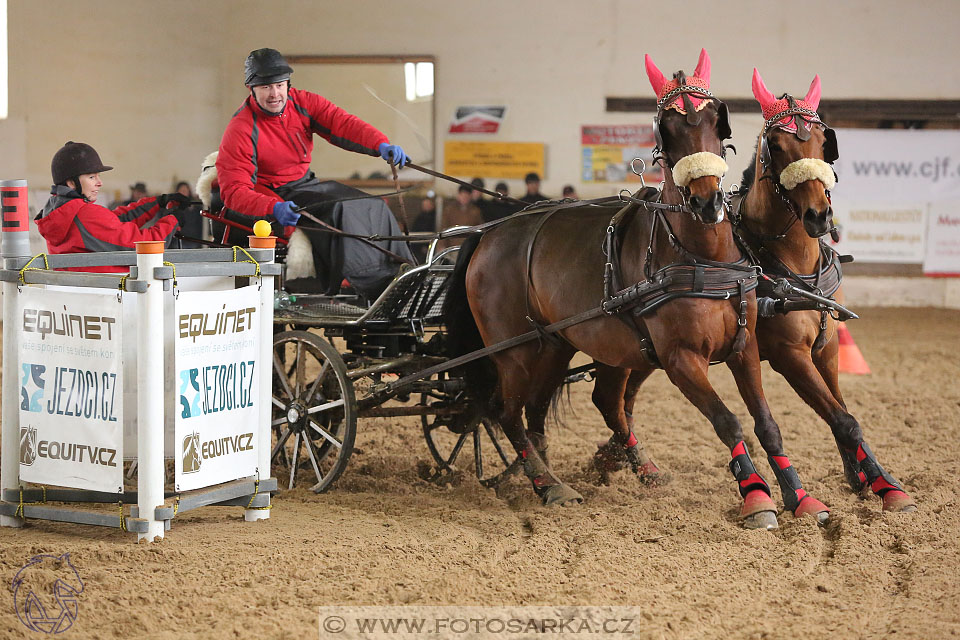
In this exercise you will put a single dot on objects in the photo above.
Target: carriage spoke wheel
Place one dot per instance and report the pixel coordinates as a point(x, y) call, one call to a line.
point(479, 443)
point(314, 411)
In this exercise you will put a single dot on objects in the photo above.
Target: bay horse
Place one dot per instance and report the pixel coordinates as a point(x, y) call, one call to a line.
point(790, 182)
point(540, 269)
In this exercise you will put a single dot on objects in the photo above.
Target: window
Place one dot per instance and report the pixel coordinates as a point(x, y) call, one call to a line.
point(419, 80)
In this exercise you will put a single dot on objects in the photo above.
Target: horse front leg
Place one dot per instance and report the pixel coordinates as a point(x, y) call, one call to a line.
point(614, 395)
point(745, 367)
point(688, 371)
point(817, 382)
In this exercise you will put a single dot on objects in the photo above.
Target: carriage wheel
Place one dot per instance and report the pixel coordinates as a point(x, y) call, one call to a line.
point(480, 440)
point(314, 411)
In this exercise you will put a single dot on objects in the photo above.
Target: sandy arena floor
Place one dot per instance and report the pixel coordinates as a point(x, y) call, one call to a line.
point(675, 552)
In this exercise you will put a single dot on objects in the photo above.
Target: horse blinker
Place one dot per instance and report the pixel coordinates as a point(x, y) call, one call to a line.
point(723, 122)
point(830, 152)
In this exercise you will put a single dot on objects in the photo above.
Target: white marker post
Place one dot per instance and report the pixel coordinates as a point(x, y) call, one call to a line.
point(150, 389)
point(14, 243)
point(264, 441)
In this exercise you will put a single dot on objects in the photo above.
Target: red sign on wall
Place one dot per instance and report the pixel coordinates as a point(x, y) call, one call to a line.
point(477, 119)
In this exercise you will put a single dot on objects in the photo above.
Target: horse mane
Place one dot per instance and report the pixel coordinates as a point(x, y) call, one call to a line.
point(750, 173)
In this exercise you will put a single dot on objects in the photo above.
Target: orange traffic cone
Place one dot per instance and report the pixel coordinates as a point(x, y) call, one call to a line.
point(850, 360)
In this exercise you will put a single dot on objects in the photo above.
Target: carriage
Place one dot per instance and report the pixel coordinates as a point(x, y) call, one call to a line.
point(374, 362)
point(324, 384)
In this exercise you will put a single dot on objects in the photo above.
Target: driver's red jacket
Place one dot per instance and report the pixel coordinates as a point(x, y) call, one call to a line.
point(270, 150)
point(70, 224)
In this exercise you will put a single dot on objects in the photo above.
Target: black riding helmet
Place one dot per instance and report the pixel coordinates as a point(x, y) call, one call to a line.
point(265, 66)
point(75, 159)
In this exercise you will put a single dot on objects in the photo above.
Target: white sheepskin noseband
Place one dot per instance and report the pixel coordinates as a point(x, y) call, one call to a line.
point(808, 169)
point(698, 165)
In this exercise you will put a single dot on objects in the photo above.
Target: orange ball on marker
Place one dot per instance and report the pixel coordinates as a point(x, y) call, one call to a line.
point(261, 228)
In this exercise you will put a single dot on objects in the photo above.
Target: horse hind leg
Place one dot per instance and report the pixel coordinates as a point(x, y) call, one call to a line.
point(614, 395)
point(515, 386)
point(551, 369)
point(688, 371)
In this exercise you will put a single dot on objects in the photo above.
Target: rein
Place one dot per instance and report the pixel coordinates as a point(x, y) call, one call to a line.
point(327, 228)
point(437, 174)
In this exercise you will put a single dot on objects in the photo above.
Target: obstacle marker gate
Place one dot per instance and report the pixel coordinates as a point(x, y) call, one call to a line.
point(50, 328)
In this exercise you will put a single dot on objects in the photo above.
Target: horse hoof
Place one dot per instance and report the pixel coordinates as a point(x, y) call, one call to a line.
point(560, 495)
point(810, 506)
point(894, 500)
point(650, 474)
point(756, 501)
point(609, 458)
point(761, 520)
point(758, 511)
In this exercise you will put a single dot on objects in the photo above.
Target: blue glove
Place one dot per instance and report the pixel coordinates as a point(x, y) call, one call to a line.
point(286, 213)
point(393, 154)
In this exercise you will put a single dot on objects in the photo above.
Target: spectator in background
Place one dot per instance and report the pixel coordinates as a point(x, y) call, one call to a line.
point(138, 191)
point(497, 209)
point(460, 211)
point(532, 180)
point(425, 222)
point(192, 220)
point(569, 193)
point(477, 197)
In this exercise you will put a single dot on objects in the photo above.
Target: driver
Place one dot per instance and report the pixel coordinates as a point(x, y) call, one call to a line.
point(263, 169)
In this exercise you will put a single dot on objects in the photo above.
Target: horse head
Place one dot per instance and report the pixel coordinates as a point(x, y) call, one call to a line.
point(690, 127)
point(796, 151)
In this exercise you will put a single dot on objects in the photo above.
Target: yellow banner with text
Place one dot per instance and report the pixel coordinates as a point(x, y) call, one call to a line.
point(493, 159)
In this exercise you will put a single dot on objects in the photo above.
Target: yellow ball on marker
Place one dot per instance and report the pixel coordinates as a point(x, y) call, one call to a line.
point(261, 228)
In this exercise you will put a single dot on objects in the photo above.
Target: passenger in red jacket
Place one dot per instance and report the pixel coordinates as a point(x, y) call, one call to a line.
point(266, 150)
point(71, 222)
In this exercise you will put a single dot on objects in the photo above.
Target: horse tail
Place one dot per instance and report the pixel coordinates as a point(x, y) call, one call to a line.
point(463, 335)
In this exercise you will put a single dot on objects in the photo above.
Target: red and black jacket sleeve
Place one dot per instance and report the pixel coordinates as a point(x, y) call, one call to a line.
point(338, 127)
point(104, 230)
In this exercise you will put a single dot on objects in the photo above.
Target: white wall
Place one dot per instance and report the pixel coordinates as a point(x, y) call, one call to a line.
point(152, 84)
point(140, 81)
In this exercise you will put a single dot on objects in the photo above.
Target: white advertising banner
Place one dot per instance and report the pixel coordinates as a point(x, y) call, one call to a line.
point(943, 240)
point(216, 349)
point(893, 185)
point(71, 389)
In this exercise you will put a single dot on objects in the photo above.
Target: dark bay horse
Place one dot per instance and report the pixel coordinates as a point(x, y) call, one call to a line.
point(539, 269)
point(789, 182)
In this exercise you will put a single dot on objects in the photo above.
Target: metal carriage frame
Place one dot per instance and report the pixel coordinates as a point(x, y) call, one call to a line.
point(323, 384)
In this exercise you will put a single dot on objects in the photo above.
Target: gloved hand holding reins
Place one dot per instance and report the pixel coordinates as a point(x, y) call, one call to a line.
point(286, 213)
point(393, 154)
